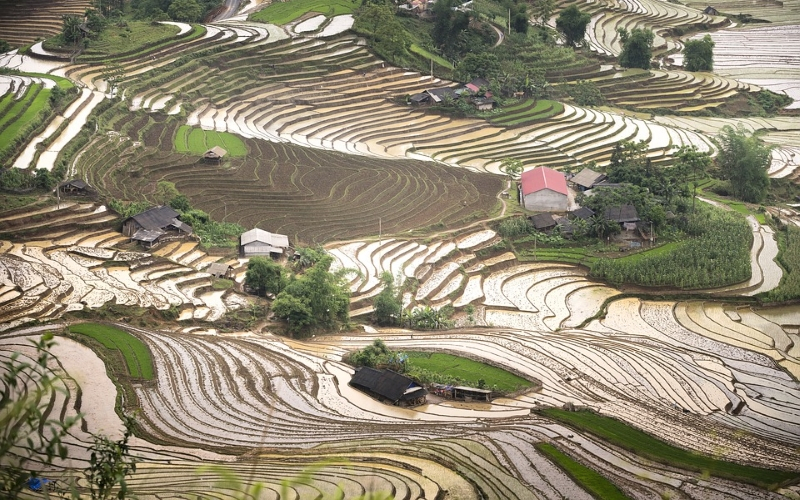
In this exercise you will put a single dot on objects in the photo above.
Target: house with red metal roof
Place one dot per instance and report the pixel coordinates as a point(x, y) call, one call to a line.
point(544, 190)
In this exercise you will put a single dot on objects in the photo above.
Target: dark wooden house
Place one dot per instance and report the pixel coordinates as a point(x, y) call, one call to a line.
point(154, 226)
point(543, 222)
point(215, 154)
point(74, 187)
point(219, 270)
point(388, 386)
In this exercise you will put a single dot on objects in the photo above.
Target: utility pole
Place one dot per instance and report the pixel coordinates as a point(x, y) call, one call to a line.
point(431, 68)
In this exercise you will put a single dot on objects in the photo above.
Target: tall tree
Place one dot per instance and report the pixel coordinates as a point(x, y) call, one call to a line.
point(692, 164)
point(387, 303)
point(71, 29)
point(744, 161)
point(698, 55)
point(572, 23)
point(266, 276)
point(543, 10)
point(637, 48)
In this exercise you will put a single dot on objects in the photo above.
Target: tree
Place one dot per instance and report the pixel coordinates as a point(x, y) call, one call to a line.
point(637, 48)
point(690, 160)
point(512, 167)
point(543, 10)
point(698, 55)
point(165, 192)
point(185, 10)
point(180, 203)
point(26, 434)
point(266, 276)
point(320, 298)
point(387, 303)
point(391, 39)
point(572, 23)
point(4, 46)
point(744, 161)
point(294, 311)
point(71, 29)
point(110, 464)
point(305, 257)
point(477, 65)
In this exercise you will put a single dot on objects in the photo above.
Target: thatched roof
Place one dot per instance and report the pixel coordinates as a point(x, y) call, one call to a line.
point(215, 153)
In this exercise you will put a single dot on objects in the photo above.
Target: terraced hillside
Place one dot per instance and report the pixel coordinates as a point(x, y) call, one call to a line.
point(68, 262)
point(312, 195)
point(330, 93)
point(22, 23)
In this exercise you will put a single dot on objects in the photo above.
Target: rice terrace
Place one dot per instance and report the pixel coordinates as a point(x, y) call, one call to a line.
point(447, 250)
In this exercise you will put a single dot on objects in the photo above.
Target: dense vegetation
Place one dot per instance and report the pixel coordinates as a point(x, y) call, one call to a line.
point(645, 445)
point(137, 357)
point(590, 480)
point(196, 141)
point(714, 252)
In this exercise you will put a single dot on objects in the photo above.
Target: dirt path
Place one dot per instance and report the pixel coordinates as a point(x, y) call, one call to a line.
point(230, 9)
point(500, 35)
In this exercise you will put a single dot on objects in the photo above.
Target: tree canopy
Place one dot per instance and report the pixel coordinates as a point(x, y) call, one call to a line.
point(316, 299)
point(637, 48)
point(699, 54)
point(388, 304)
point(743, 160)
point(266, 276)
point(572, 23)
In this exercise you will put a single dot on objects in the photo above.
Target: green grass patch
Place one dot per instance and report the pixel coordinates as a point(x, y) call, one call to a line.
point(645, 445)
point(285, 12)
point(467, 370)
point(789, 259)
point(597, 485)
point(196, 141)
point(137, 36)
point(526, 111)
point(222, 284)
point(14, 201)
point(137, 356)
point(39, 104)
point(64, 83)
point(441, 61)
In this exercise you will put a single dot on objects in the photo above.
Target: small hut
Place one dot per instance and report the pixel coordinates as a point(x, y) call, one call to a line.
point(219, 270)
point(215, 154)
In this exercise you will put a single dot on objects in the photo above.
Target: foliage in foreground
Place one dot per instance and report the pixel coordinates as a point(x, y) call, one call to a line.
point(27, 433)
point(645, 445)
point(716, 253)
point(591, 481)
point(134, 351)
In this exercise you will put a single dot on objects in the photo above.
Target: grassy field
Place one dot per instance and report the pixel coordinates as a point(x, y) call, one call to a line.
point(115, 41)
point(136, 354)
point(441, 61)
point(527, 111)
point(597, 485)
point(468, 370)
point(645, 445)
point(197, 141)
point(23, 112)
point(285, 12)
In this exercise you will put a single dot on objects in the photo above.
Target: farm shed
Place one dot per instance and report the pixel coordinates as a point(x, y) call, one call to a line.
point(74, 187)
point(472, 394)
point(483, 103)
point(475, 85)
point(584, 213)
point(711, 11)
point(565, 226)
point(216, 154)
point(155, 225)
point(219, 270)
point(544, 190)
point(622, 214)
point(259, 242)
point(587, 178)
point(388, 386)
point(543, 222)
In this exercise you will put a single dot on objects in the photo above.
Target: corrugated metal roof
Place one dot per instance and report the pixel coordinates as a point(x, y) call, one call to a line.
point(156, 218)
point(272, 239)
point(147, 235)
point(587, 178)
point(541, 178)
